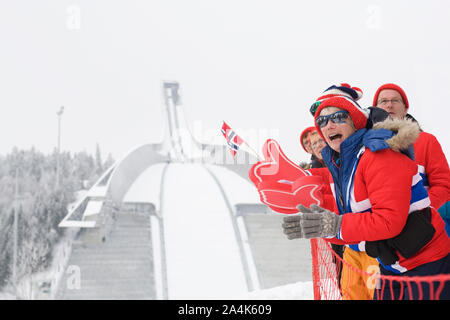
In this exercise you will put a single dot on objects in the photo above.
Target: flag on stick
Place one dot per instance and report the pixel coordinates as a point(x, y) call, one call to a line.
point(233, 140)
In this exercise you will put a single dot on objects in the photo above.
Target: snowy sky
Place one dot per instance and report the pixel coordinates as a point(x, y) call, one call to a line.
point(256, 64)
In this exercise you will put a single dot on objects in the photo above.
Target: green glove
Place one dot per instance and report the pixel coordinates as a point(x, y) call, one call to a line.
point(318, 222)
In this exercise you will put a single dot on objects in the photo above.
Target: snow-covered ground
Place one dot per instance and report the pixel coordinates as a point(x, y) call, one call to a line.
point(294, 291)
point(202, 254)
point(203, 260)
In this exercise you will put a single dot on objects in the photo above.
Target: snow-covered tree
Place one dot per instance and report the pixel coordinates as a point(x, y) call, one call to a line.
point(42, 206)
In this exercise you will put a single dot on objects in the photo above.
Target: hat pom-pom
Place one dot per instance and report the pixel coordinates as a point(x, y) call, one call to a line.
point(357, 92)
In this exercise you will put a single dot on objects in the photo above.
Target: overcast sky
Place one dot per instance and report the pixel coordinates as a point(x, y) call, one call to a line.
point(256, 64)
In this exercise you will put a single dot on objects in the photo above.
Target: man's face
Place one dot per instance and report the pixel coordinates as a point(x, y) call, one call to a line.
point(306, 143)
point(391, 101)
point(336, 133)
point(317, 144)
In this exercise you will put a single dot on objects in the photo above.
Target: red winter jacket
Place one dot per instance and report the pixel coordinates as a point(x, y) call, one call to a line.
point(379, 196)
point(433, 164)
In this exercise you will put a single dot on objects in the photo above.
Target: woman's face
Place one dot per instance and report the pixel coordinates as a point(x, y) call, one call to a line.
point(317, 144)
point(306, 143)
point(336, 133)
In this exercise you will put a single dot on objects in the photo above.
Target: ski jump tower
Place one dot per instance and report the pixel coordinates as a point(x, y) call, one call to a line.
point(107, 221)
point(178, 140)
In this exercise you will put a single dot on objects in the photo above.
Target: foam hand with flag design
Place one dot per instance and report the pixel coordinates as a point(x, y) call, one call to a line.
point(281, 184)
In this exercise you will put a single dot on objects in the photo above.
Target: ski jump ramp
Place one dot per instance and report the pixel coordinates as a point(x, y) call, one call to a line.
point(210, 238)
point(202, 253)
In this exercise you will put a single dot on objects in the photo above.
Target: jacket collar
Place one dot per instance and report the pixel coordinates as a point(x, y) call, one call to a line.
point(349, 147)
point(393, 134)
point(398, 135)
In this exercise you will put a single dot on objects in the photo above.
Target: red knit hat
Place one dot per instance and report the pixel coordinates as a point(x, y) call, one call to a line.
point(358, 115)
point(307, 130)
point(391, 86)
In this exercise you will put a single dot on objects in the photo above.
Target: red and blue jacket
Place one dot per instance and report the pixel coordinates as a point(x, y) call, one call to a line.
point(375, 189)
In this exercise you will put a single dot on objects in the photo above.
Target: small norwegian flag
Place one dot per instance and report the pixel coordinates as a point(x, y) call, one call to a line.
point(233, 140)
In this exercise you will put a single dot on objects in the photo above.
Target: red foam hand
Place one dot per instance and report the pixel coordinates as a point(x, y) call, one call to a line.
point(275, 166)
point(281, 184)
point(278, 196)
point(307, 190)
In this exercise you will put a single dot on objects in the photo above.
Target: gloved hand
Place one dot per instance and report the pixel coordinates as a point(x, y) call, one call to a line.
point(291, 227)
point(318, 222)
point(315, 222)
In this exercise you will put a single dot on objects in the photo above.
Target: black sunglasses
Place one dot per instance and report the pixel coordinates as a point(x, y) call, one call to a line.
point(337, 117)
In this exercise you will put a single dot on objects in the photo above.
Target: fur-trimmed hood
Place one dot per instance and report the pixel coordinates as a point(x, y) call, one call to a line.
point(406, 131)
point(397, 135)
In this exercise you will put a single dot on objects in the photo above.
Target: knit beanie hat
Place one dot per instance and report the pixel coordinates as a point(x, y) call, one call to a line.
point(358, 115)
point(304, 132)
point(344, 90)
point(391, 86)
